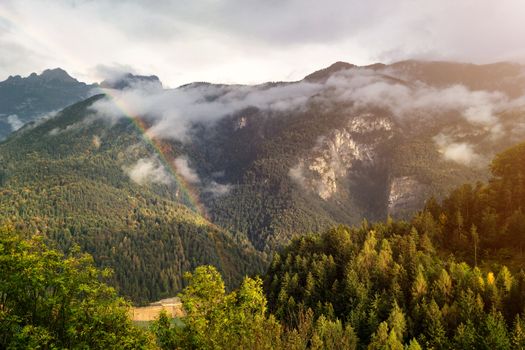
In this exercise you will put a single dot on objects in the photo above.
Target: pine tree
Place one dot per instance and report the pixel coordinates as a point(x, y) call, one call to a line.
point(435, 333)
point(413, 345)
point(475, 241)
point(419, 286)
point(397, 322)
point(518, 335)
point(379, 339)
point(496, 336)
point(465, 337)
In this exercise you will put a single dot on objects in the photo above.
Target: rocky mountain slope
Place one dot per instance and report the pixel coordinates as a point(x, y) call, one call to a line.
point(364, 142)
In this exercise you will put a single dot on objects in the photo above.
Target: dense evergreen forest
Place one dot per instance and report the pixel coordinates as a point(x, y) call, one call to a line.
point(486, 221)
point(388, 285)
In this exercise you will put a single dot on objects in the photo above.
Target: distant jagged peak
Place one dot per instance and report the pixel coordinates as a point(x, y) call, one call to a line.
point(460, 70)
point(13, 78)
point(376, 66)
point(449, 63)
point(128, 80)
point(55, 74)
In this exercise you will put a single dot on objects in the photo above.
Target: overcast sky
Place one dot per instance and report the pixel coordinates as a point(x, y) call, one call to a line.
point(250, 41)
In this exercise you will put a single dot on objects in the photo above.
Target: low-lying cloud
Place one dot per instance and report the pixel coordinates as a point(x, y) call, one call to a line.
point(172, 113)
point(366, 88)
point(184, 170)
point(459, 152)
point(217, 189)
point(148, 171)
point(416, 103)
point(190, 175)
point(111, 73)
point(296, 174)
point(14, 122)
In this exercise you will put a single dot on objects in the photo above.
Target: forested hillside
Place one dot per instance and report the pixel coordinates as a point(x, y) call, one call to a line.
point(52, 300)
point(68, 179)
point(389, 284)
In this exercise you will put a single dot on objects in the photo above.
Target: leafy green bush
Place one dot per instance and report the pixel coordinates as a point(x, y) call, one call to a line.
point(49, 300)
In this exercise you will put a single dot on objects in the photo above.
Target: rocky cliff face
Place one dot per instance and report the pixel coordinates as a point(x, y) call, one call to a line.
point(325, 169)
point(406, 195)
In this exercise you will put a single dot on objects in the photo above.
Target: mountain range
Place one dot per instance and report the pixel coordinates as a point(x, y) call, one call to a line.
point(153, 181)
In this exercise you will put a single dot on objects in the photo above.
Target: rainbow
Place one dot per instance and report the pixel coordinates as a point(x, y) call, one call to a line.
point(188, 193)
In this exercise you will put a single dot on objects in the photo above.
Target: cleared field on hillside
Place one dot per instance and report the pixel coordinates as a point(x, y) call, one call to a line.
point(172, 306)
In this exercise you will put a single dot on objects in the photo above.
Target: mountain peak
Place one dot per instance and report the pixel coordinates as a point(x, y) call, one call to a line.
point(324, 73)
point(57, 74)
